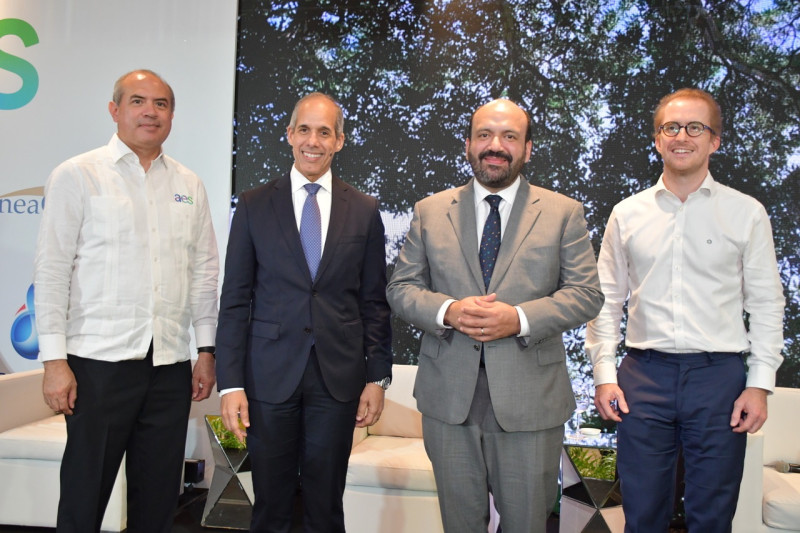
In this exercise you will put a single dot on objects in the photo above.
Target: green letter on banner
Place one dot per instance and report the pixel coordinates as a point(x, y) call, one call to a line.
point(18, 66)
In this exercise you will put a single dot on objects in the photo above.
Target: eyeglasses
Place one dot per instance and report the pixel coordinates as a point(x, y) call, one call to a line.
point(693, 129)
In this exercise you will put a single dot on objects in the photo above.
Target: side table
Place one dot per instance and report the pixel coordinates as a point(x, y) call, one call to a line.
point(229, 504)
point(589, 504)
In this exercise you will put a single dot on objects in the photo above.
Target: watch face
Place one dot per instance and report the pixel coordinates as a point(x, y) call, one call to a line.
point(383, 383)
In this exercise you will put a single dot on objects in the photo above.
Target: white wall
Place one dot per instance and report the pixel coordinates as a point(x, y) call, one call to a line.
point(83, 47)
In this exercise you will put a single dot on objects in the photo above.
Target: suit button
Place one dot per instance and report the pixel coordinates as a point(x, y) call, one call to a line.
point(476, 347)
point(306, 330)
point(313, 294)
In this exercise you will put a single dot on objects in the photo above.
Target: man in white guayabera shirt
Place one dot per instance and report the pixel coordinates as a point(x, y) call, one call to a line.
point(690, 256)
point(126, 259)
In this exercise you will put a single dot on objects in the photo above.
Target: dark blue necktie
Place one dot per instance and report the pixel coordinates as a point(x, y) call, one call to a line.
point(490, 242)
point(311, 229)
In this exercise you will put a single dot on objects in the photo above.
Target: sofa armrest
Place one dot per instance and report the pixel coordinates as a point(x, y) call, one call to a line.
point(780, 429)
point(23, 390)
point(359, 434)
point(748, 510)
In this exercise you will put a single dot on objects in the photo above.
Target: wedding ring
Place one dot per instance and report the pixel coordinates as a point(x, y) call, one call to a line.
point(481, 331)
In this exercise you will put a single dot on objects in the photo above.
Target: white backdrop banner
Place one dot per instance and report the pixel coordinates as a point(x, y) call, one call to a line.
point(59, 60)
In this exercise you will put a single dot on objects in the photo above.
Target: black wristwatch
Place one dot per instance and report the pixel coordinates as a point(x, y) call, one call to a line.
point(210, 349)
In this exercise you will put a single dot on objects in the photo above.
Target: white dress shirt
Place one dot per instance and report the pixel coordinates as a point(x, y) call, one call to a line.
point(689, 270)
point(482, 209)
point(124, 256)
point(324, 198)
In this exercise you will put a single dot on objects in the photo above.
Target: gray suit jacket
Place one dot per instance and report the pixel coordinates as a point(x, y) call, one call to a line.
point(546, 265)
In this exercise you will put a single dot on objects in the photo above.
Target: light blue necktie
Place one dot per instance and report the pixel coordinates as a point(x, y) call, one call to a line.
point(311, 229)
point(490, 242)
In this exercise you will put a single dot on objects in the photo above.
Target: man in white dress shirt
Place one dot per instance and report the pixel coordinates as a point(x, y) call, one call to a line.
point(126, 258)
point(690, 256)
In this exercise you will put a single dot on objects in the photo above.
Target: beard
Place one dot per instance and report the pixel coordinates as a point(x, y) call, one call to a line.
point(494, 178)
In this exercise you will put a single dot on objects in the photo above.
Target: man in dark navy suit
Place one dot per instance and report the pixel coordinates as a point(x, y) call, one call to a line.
point(304, 335)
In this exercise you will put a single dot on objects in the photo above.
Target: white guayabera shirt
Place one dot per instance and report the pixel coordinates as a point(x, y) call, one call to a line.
point(123, 257)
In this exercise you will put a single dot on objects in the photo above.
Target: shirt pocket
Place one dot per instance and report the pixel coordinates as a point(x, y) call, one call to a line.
point(110, 220)
point(180, 216)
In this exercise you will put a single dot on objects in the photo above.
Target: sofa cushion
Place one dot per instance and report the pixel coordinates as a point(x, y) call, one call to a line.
point(400, 417)
point(398, 420)
point(43, 439)
point(391, 462)
point(781, 506)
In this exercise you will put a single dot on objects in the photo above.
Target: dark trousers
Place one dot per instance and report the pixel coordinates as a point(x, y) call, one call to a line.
point(310, 434)
point(680, 401)
point(125, 407)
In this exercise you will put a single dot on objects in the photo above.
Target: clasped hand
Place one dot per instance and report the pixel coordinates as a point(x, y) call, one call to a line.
point(483, 318)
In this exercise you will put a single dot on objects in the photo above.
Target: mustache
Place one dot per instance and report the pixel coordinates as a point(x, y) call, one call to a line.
point(492, 153)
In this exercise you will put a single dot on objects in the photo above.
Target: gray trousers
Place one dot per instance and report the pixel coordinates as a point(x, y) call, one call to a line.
point(471, 459)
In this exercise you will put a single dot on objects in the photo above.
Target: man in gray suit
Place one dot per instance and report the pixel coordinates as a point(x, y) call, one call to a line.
point(492, 383)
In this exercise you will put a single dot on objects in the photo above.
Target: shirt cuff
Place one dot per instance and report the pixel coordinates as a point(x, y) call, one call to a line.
point(761, 376)
point(442, 312)
point(524, 325)
point(605, 372)
point(205, 335)
point(223, 392)
point(52, 347)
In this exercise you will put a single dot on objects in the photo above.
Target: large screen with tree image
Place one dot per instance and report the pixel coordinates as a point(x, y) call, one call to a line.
point(408, 74)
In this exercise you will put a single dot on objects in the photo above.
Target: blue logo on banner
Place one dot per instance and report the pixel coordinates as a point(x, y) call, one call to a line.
point(23, 331)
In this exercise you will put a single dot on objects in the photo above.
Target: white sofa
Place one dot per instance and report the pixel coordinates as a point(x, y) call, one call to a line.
point(32, 439)
point(770, 501)
point(390, 486)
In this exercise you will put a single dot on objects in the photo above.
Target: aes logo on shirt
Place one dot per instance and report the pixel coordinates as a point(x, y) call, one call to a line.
point(184, 199)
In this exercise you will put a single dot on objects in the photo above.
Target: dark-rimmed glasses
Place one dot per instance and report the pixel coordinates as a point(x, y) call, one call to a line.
point(693, 129)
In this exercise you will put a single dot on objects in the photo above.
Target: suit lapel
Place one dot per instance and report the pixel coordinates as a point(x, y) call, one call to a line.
point(520, 223)
point(340, 203)
point(283, 206)
point(462, 217)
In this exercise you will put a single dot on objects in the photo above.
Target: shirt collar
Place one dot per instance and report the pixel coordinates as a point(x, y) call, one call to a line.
point(119, 150)
point(298, 180)
point(708, 184)
point(707, 187)
point(508, 194)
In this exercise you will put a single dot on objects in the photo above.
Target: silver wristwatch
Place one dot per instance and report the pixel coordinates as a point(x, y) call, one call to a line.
point(383, 383)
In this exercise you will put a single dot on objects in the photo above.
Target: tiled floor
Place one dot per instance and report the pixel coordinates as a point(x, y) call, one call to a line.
point(187, 519)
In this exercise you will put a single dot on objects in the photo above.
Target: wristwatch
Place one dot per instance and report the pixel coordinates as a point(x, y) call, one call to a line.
point(209, 349)
point(383, 383)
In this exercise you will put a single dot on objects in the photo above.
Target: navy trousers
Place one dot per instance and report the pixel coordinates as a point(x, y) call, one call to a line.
point(680, 401)
point(309, 435)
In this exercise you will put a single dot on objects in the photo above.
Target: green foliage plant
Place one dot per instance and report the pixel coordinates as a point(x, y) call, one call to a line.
point(226, 438)
point(594, 463)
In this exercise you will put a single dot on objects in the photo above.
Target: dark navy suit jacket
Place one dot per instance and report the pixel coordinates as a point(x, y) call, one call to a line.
point(271, 311)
